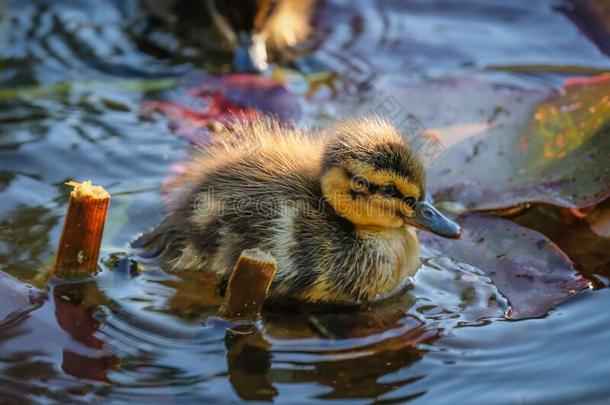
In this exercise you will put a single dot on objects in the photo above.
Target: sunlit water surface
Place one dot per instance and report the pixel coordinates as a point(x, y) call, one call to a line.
point(137, 334)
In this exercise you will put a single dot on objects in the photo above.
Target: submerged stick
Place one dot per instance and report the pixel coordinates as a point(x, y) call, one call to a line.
point(248, 285)
point(79, 246)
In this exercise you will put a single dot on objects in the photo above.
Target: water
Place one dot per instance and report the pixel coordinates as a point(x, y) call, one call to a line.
point(138, 334)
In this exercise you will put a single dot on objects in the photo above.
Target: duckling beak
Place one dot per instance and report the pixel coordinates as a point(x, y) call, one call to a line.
point(430, 219)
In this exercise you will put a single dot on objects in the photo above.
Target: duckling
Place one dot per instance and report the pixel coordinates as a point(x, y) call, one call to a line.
point(337, 208)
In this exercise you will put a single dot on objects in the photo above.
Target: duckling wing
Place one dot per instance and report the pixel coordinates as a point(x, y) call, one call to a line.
point(231, 197)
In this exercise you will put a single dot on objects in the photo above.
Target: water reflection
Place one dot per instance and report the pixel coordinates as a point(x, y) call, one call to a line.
point(249, 364)
point(256, 368)
point(74, 306)
point(25, 240)
point(307, 345)
point(135, 326)
point(53, 352)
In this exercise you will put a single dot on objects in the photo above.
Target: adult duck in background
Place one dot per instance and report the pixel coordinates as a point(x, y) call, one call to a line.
point(255, 32)
point(338, 209)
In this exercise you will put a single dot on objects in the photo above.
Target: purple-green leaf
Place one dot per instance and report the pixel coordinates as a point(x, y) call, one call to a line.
point(558, 156)
point(526, 267)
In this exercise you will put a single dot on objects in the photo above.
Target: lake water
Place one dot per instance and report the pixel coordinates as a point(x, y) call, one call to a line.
point(73, 75)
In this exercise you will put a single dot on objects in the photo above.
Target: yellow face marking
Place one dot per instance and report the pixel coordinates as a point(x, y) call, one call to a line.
point(381, 177)
point(372, 210)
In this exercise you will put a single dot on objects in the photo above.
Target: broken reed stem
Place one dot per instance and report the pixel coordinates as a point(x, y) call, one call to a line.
point(248, 285)
point(79, 246)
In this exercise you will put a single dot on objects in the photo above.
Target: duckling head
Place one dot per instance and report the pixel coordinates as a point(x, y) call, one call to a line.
point(372, 178)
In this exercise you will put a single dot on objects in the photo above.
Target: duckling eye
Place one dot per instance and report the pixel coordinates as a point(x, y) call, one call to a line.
point(387, 190)
point(410, 201)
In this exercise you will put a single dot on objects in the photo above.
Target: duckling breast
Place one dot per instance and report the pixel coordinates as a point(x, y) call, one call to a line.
point(323, 259)
point(397, 252)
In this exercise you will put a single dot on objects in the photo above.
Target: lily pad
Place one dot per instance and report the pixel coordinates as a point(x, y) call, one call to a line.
point(577, 236)
point(559, 156)
point(526, 267)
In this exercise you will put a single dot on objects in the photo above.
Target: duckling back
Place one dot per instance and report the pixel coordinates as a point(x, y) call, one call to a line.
point(242, 191)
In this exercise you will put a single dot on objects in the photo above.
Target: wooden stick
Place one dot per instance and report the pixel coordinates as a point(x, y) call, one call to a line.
point(79, 246)
point(248, 285)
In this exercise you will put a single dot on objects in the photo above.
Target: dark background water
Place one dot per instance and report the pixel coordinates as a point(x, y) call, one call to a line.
point(73, 75)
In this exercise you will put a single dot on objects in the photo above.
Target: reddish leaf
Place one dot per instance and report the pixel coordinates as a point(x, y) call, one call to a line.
point(247, 91)
point(206, 99)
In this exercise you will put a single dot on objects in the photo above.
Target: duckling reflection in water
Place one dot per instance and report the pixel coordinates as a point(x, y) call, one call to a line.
point(337, 209)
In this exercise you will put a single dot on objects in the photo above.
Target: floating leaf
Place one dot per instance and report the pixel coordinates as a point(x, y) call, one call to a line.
point(576, 236)
point(527, 268)
point(206, 99)
point(559, 156)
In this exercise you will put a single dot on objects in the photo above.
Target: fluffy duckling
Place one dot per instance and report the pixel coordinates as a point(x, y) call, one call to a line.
point(337, 209)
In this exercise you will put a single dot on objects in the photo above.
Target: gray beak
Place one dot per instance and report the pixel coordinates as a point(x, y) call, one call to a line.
point(430, 219)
